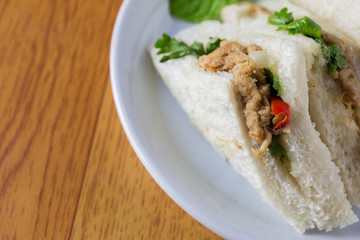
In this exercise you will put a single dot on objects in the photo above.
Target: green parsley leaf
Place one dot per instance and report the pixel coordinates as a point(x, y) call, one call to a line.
point(276, 149)
point(176, 49)
point(274, 82)
point(198, 49)
point(305, 26)
point(333, 54)
point(198, 10)
point(164, 43)
point(337, 56)
point(213, 44)
point(281, 18)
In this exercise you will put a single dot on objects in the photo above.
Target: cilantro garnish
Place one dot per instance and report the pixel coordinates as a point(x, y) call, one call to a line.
point(274, 82)
point(305, 26)
point(178, 49)
point(213, 44)
point(281, 18)
point(199, 10)
point(333, 54)
point(276, 149)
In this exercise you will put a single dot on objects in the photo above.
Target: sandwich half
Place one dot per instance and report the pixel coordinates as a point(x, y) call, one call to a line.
point(334, 100)
point(226, 95)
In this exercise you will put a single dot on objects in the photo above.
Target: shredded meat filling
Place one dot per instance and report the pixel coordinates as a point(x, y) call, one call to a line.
point(251, 85)
point(356, 115)
point(346, 78)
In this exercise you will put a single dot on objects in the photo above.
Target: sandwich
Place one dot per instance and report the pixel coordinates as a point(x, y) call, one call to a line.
point(334, 98)
point(255, 95)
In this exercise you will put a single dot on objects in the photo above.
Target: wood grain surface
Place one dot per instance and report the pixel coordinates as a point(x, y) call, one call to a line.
point(67, 170)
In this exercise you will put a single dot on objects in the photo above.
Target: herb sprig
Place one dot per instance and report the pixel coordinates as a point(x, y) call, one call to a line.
point(199, 10)
point(333, 54)
point(178, 49)
point(274, 82)
point(281, 18)
point(276, 148)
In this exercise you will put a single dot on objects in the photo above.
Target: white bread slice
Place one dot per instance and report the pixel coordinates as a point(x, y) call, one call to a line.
point(332, 118)
point(308, 193)
point(337, 127)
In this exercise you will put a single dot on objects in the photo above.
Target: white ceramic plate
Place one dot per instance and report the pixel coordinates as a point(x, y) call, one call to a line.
point(171, 149)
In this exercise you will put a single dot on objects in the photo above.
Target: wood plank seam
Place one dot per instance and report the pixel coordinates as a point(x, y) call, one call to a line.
point(88, 155)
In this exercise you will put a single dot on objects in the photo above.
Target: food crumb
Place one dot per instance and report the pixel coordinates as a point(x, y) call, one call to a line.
point(239, 146)
point(222, 140)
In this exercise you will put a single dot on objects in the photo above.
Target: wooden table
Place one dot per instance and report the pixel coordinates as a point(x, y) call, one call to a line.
point(67, 169)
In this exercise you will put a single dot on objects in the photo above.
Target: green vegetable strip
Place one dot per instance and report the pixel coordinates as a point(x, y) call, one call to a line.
point(333, 54)
point(276, 149)
point(176, 49)
point(274, 82)
point(198, 10)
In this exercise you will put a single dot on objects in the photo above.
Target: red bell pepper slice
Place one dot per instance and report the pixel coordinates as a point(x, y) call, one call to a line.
point(281, 111)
